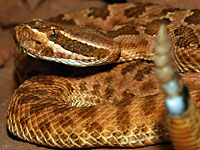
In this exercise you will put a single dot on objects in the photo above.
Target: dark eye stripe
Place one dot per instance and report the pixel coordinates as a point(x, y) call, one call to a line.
point(76, 46)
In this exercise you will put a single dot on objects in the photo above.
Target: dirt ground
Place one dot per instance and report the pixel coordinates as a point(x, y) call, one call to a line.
point(13, 12)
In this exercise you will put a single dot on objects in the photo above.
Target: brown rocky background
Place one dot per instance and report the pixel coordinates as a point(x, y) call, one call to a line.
point(13, 12)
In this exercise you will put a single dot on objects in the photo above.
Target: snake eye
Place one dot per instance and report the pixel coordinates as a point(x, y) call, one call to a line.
point(54, 34)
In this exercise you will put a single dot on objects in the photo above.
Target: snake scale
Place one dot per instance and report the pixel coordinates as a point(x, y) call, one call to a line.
point(96, 84)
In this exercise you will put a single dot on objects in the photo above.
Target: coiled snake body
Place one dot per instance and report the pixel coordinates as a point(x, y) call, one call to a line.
point(107, 93)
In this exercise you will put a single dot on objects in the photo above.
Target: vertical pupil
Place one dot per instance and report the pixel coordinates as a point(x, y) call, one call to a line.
point(54, 34)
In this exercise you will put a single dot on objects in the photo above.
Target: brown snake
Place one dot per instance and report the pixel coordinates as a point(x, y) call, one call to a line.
point(111, 96)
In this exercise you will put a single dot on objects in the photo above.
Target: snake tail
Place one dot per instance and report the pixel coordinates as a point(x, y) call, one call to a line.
point(183, 117)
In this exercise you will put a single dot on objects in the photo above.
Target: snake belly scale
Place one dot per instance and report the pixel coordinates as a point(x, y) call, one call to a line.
point(107, 93)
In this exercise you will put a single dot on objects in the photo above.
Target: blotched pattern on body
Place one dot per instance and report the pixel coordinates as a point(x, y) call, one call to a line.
point(104, 92)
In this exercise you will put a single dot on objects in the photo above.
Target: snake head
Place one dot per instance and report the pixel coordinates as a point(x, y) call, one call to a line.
point(73, 45)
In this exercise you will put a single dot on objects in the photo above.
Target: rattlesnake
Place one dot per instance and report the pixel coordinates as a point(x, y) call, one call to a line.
point(107, 94)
